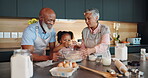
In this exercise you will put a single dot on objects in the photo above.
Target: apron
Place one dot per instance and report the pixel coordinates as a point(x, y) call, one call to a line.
point(92, 39)
point(40, 44)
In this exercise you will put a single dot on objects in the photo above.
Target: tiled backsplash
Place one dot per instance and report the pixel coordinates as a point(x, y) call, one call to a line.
point(11, 25)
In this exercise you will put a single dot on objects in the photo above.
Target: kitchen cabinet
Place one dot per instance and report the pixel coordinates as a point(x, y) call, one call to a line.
point(125, 10)
point(75, 9)
point(110, 10)
point(5, 56)
point(139, 10)
point(131, 48)
point(8, 8)
point(29, 8)
point(95, 4)
point(57, 5)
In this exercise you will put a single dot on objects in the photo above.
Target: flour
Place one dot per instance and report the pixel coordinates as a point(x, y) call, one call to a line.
point(121, 52)
point(21, 66)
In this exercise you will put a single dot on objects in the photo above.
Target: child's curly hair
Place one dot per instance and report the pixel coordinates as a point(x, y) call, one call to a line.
point(61, 33)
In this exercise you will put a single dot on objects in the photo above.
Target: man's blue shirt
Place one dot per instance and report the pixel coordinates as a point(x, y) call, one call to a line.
point(29, 34)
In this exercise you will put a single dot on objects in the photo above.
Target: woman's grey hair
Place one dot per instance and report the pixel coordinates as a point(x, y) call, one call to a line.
point(94, 12)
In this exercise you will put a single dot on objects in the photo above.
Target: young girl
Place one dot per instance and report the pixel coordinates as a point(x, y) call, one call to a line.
point(66, 44)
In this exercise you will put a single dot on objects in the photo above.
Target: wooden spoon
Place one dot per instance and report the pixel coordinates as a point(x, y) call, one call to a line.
point(104, 74)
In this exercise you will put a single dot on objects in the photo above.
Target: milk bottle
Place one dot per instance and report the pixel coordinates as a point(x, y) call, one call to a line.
point(106, 57)
point(21, 64)
point(121, 51)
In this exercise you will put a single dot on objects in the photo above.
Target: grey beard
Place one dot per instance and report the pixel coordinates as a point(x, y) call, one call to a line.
point(46, 28)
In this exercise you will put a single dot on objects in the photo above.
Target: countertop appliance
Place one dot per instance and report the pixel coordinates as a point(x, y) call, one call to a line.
point(134, 40)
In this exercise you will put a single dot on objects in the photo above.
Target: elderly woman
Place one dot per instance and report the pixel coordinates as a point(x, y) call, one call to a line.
point(95, 37)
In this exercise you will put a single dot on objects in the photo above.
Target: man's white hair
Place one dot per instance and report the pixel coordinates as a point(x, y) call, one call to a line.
point(94, 12)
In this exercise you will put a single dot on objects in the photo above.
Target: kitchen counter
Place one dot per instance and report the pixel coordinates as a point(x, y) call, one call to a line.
point(80, 73)
point(133, 45)
point(111, 46)
point(5, 53)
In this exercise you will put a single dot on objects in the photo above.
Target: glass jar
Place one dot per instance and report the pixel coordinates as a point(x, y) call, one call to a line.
point(121, 51)
point(143, 54)
point(106, 57)
point(21, 64)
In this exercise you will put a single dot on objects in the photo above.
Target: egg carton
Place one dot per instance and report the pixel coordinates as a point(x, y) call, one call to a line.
point(62, 72)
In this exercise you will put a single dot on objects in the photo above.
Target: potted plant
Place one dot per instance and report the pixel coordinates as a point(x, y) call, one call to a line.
point(116, 35)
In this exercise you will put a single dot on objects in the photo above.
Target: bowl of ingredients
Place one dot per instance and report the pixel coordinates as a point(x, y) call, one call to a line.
point(74, 55)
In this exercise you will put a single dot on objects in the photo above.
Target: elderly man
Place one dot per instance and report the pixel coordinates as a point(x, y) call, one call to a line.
point(37, 36)
point(95, 37)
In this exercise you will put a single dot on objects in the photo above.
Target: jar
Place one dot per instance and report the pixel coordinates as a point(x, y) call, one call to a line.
point(121, 51)
point(21, 64)
point(106, 57)
point(143, 54)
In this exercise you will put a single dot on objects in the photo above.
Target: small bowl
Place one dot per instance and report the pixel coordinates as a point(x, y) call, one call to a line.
point(92, 57)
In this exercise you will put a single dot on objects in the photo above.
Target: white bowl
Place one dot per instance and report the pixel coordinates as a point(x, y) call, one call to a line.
point(92, 57)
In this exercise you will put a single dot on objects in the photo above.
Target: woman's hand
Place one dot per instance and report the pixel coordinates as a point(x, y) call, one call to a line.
point(86, 52)
point(90, 50)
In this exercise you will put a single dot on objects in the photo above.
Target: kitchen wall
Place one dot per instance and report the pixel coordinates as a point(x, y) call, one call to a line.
point(126, 29)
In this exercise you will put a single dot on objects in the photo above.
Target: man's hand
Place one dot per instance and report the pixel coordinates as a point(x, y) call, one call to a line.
point(54, 56)
point(36, 57)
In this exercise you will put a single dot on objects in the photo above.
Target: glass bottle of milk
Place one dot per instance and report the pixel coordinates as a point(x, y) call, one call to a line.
point(106, 57)
point(121, 51)
point(21, 64)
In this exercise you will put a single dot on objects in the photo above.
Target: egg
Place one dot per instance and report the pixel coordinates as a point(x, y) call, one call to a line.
point(68, 62)
point(74, 64)
point(66, 65)
point(60, 65)
point(62, 62)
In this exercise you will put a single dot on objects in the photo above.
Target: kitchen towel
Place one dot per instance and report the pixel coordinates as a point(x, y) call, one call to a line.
point(44, 63)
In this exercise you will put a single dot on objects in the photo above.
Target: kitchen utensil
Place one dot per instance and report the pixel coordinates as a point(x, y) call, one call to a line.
point(73, 55)
point(121, 67)
point(104, 74)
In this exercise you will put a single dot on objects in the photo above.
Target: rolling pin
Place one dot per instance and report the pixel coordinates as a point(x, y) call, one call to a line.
point(121, 67)
point(104, 74)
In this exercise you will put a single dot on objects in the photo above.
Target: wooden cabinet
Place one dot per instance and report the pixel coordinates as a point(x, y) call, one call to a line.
point(125, 10)
point(110, 10)
point(57, 5)
point(29, 8)
point(8, 8)
point(75, 9)
point(139, 10)
point(95, 4)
